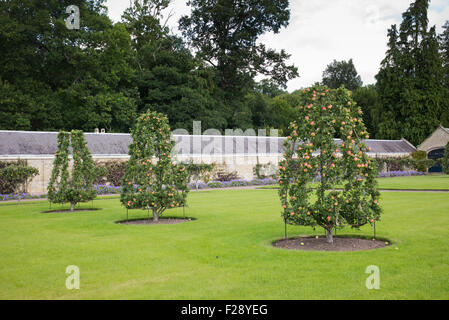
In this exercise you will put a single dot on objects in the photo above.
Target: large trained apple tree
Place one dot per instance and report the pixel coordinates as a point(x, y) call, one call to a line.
point(314, 154)
point(75, 185)
point(152, 180)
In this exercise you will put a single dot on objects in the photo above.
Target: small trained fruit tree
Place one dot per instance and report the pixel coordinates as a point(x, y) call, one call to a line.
point(76, 186)
point(152, 180)
point(313, 154)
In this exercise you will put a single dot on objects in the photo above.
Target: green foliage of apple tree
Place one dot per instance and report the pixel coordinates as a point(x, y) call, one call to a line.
point(152, 179)
point(75, 185)
point(312, 152)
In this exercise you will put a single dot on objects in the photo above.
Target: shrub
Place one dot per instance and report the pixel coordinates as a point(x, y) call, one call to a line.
point(15, 175)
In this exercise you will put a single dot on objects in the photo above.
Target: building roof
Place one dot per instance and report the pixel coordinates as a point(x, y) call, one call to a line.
point(23, 143)
point(45, 143)
point(388, 146)
point(435, 140)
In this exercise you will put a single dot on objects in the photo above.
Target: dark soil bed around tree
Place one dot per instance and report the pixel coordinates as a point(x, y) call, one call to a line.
point(320, 244)
point(151, 222)
point(68, 210)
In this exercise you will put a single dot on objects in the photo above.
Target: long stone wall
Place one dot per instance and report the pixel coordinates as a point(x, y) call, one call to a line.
point(229, 153)
point(242, 164)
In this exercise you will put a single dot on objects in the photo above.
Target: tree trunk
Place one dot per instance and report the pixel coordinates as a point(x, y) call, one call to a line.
point(155, 216)
point(330, 238)
point(72, 207)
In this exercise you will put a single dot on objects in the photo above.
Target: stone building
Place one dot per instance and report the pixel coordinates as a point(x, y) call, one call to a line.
point(229, 153)
point(434, 146)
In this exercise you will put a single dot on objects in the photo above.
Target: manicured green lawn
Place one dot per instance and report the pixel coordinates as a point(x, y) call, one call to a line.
point(224, 254)
point(427, 182)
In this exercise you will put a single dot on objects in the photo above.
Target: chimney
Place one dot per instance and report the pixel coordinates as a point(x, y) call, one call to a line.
point(103, 131)
point(96, 130)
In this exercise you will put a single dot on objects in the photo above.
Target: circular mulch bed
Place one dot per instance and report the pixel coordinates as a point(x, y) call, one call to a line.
point(151, 222)
point(320, 244)
point(68, 210)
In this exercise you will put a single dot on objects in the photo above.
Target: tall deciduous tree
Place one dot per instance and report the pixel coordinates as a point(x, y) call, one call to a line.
point(75, 185)
point(312, 152)
point(224, 34)
point(152, 179)
point(168, 77)
point(342, 73)
point(410, 82)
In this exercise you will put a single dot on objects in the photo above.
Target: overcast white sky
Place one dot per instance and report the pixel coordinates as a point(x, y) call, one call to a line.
point(323, 30)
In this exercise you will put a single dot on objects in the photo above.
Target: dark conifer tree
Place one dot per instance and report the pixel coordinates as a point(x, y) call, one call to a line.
point(410, 82)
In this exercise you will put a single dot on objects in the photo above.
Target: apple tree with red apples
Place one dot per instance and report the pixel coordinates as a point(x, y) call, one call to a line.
point(153, 180)
point(314, 154)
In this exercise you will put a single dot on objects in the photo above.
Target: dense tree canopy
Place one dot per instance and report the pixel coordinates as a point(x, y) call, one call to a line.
point(52, 77)
point(341, 73)
point(105, 73)
point(168, 77)
point(444, 46)
point(224, 34)
point(410, 82)
point(368, 99)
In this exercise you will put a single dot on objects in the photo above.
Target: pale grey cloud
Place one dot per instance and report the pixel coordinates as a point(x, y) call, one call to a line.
point(323, 30)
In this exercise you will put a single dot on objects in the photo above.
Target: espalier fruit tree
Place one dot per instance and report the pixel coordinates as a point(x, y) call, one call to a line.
point(152, 179)
point(314, 154)
point(78, 184)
